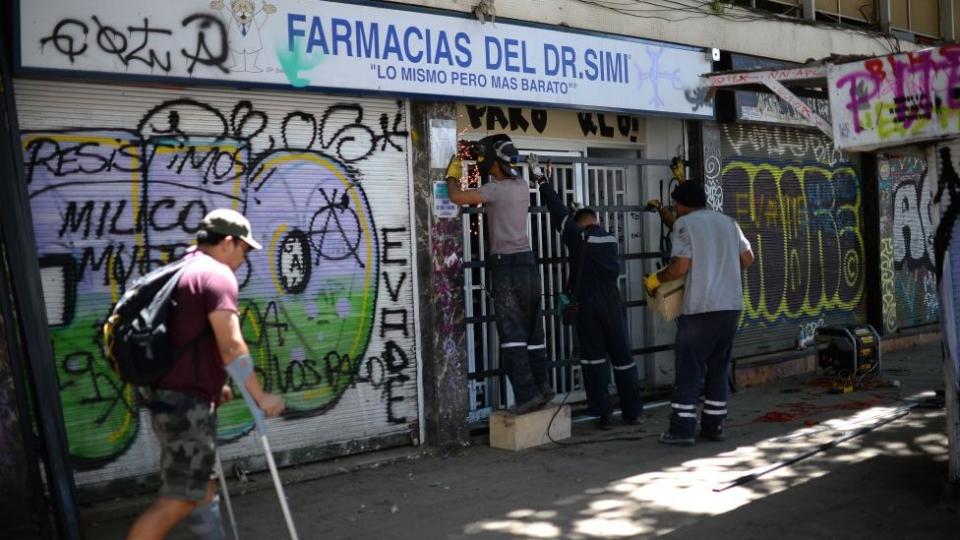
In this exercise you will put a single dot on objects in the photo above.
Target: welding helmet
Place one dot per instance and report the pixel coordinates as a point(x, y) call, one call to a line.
point(497, 148)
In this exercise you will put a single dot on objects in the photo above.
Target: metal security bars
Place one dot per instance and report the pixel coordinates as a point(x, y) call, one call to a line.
point(609, 189)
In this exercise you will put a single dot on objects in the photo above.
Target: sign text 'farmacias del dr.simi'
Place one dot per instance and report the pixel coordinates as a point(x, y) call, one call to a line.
point(360, 47)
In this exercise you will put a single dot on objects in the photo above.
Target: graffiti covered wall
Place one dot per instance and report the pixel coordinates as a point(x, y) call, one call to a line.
point(798, 201)
point(907, 277)
point(897, 99)
point(118, 180)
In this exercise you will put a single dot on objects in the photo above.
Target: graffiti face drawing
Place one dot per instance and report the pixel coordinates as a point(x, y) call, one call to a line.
point(243, 10)
point(244, 22)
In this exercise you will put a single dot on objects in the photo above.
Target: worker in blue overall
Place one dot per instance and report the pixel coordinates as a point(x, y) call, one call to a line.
point(600, 321)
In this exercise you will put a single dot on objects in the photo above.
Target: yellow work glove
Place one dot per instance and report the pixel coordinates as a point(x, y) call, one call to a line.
point(654, 203)
point(651, 283)
point(455, 168)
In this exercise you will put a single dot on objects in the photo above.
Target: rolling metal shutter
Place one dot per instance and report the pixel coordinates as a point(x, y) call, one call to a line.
point(119, 178)
point(906, 230)
point(798, 201)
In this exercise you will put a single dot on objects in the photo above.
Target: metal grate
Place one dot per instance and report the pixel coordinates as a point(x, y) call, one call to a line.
point(605, 189)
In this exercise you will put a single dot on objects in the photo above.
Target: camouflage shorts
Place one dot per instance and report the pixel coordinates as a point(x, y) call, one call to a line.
point(187, 430)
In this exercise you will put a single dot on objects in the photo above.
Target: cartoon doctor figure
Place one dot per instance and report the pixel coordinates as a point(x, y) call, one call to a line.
point(244, 22)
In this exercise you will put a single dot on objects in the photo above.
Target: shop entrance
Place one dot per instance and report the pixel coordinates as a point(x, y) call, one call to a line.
point(607, 180)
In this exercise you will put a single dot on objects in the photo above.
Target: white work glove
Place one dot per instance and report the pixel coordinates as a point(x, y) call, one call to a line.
point(537, 174)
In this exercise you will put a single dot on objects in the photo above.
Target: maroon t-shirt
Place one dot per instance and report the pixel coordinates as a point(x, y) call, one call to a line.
point(205, 286)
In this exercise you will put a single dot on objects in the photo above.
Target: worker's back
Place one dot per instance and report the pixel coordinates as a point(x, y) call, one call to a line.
point(506, 203)
point(713, 242)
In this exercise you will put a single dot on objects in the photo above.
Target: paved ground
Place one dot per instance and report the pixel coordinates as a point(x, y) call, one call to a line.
point(621, 483)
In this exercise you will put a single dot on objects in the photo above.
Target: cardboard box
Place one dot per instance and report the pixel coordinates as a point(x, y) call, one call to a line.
point(511, 432)
point(668, 300)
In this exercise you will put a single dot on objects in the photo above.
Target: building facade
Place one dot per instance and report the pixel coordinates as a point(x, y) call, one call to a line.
point(329, 124)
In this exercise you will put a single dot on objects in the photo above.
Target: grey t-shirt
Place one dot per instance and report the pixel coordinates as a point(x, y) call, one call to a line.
point(507, 202)
point(713, 243)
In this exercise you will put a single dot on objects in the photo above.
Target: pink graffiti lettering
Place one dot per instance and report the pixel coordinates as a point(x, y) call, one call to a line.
point(860, 93)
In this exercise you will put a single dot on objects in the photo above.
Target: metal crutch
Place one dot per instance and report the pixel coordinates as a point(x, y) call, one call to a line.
point(226, 496)
point(261, 426)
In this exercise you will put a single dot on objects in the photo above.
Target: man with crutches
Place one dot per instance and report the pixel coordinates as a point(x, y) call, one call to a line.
point(204, 325)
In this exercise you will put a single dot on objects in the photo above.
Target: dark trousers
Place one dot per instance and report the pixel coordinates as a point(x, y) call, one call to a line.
point(516, 304)
point(702, 359)
point(602, 333)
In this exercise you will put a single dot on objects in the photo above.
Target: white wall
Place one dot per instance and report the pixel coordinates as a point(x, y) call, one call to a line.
point(664, 139)
point(784, 40)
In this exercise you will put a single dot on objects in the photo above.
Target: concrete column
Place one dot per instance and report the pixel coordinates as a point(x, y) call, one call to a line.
point(665, 140)
point(810, 10)
point(883, 11)
point(25, 299)
point(18, 517)
point(947, 31)
point(439, 245)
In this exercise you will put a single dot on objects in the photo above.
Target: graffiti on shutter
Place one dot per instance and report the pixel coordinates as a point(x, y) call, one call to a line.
point(321, 304)
point(907, 239)
point(798, 201)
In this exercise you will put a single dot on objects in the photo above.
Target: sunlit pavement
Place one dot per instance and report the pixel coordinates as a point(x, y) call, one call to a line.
point(621, 483)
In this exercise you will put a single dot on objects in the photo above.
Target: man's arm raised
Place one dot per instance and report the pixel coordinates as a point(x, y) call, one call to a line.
point(458, 196)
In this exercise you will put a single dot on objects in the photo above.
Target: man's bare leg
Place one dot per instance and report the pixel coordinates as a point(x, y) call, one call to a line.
point(163, 515)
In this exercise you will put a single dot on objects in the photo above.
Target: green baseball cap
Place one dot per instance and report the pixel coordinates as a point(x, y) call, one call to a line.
point(230, 223)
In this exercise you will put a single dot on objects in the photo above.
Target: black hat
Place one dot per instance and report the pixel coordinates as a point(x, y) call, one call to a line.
point(497, 148)
point(690, 193)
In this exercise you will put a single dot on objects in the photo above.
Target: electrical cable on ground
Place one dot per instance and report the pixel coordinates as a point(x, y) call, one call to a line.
point(598, 440)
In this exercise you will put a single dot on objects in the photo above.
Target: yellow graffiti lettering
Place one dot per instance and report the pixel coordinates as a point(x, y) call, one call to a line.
point(804, 225)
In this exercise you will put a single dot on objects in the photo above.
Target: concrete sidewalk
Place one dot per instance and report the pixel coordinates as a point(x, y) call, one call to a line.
point(622, 483)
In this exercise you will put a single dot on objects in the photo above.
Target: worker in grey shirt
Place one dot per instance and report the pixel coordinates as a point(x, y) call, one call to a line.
point(516, 282)
point(711, 251)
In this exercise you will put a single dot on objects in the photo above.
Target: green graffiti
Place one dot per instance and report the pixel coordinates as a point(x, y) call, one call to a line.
point(100, 413)
point(307, 299)
point(309, 359)
point(296, 61)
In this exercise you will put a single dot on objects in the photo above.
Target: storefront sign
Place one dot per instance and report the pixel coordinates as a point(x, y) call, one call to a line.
point(361, 47)
point(896, 100)
point(555, 124)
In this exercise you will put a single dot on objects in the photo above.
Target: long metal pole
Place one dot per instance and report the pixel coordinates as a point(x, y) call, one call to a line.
point(261, 425)
point(747, 478)
point(226, 497)
point(279, 486)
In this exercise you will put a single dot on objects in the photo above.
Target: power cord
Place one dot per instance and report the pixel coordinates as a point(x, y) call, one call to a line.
point(554, 417)
point(588, 441)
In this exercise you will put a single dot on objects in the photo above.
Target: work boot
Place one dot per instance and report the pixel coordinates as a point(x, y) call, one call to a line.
point(603, 422)
point(716, 435)
point(548, 393)
point(676, 440)
point(532, 404)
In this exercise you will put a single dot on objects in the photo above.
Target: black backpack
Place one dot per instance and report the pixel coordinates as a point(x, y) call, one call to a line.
point(135, 339)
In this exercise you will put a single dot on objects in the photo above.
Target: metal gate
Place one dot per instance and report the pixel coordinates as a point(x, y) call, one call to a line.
point(598, 183)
